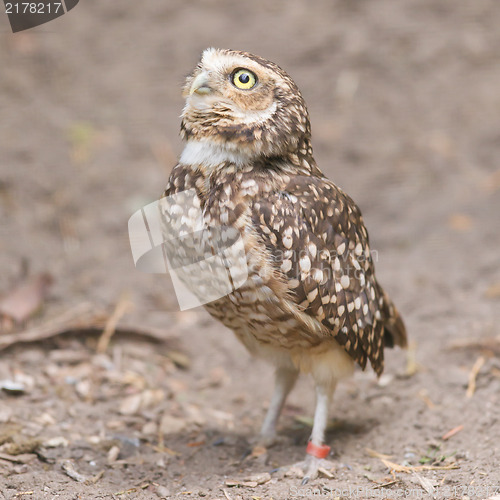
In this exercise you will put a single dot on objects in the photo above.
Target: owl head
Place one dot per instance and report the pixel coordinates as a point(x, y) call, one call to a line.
point(245, 104)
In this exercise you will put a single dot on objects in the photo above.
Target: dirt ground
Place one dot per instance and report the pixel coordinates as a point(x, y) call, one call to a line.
point(404, 98)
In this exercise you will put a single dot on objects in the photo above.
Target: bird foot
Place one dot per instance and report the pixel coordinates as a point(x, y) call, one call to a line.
point(309, 469)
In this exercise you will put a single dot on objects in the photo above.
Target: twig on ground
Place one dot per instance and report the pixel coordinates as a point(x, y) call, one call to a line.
point(390, 483)
point(488, 344)
point(473, 376)
point(75, 317)
point(69, 469)
point(451, 433)
point(22, 458)
point(403, 468)
point(376, 454)
point(123, 305)
point(80, 320)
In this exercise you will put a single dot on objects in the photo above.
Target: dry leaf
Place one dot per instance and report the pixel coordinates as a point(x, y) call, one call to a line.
point(325, 473)
point(26, 299)
point(426, 484)
point(259, 478)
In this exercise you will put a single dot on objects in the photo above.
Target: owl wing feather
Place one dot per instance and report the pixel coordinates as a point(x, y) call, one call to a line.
point(315, 235)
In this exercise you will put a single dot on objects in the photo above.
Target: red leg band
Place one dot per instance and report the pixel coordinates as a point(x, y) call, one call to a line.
point(317, 451)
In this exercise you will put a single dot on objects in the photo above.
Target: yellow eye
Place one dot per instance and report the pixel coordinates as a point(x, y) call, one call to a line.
point(244, 79)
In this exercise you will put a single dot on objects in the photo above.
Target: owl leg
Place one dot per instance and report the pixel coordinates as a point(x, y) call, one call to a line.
point(285, 379)
point(317, 451)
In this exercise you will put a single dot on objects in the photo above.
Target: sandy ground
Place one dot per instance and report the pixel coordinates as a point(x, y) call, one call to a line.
point(404, 100)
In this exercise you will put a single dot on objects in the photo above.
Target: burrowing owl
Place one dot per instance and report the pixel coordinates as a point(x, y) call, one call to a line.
point(311, 303)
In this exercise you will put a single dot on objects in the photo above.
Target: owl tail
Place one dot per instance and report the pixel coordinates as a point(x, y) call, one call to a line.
point(394, 327)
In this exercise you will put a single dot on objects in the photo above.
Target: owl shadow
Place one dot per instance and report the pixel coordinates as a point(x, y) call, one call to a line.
point(229, 452)
point(337, 431)
point(293, 435)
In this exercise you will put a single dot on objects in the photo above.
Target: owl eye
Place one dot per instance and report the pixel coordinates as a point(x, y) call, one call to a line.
point(243, 79)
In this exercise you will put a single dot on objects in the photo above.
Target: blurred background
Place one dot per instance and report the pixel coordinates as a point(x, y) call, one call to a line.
point(404, 100)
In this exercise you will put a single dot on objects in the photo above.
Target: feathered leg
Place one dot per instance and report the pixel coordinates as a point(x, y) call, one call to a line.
point(317, 451)
point(285, 379)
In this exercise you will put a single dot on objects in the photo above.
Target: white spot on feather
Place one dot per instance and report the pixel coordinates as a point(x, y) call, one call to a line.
point(312, 294)
point(305, 264)
point(345, 281)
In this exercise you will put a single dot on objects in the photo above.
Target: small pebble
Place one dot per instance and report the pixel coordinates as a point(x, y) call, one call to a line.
point(162, 491)
point(13, 388)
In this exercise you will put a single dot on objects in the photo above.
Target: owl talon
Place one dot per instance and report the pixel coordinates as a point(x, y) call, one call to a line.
point(309, 469)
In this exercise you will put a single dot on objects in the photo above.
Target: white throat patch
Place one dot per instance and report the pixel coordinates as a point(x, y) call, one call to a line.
point(210, 154)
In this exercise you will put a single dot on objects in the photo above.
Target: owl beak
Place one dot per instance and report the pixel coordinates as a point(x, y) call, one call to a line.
point(200, 85)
